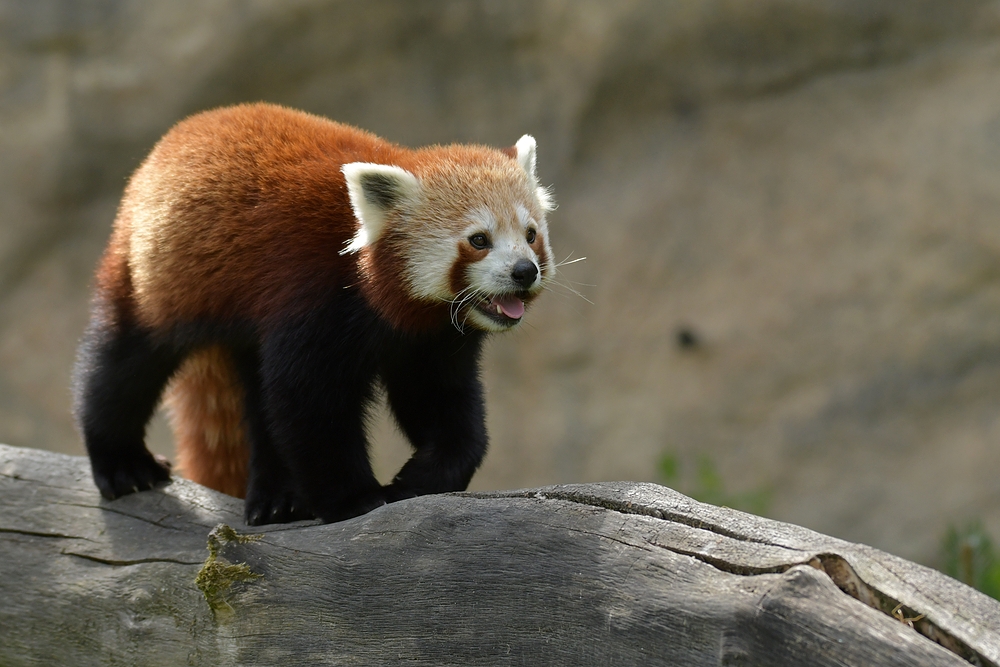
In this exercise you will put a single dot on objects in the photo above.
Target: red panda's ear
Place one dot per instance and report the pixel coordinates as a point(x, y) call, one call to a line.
point(525, 155)
point(525, 147)
point(375, 189)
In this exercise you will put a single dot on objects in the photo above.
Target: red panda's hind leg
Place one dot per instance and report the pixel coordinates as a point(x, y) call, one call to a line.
point(272, 495)
point(119, 376)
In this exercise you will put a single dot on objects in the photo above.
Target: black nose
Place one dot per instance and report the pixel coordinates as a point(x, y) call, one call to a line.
point(524, 273)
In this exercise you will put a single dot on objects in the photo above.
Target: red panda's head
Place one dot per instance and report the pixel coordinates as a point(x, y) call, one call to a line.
point(460, 226)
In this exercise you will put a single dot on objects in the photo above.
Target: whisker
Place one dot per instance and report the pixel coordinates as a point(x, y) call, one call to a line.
point(460, 293)
point(547, 265)
point(453, 308)
point(569, 289)
point(461, 299)
point(476, 294)
point(567, 261)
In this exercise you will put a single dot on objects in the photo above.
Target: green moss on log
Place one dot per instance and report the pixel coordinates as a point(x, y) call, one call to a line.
point(217, 575)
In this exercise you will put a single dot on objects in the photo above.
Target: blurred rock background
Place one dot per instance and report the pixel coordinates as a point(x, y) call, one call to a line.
point(789, 210)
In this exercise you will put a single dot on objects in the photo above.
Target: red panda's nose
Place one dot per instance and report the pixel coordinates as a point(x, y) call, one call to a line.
point(524, 273)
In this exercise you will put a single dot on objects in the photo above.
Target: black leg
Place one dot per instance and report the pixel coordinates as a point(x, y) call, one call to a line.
point(317, 381)
point(119, 376)
point(271, 494)
point(436, 395)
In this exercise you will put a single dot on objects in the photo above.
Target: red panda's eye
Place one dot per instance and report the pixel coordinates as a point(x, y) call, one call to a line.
point(531, 236)
point(479, 241)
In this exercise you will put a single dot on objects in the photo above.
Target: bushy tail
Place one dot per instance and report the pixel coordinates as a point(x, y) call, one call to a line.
point(204, 405)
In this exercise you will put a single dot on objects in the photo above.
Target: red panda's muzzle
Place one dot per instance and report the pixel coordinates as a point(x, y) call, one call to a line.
point(508, 305)
point(504, 310)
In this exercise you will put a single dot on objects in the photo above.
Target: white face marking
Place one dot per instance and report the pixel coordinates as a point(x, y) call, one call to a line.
point(429, 258)
point(432, 250)
point(523, 217)
point(492, 275)
point(432, 221)
point(482, 220)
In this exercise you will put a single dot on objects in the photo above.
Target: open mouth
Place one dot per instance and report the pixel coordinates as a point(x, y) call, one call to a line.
point(504, 309)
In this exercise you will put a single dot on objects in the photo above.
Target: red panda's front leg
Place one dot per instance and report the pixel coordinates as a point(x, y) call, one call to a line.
point(437, 398)
point(317, 377)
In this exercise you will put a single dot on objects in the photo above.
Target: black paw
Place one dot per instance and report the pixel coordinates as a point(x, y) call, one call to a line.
point(395, 492)
point(263, 507)
point(120, 475)
point(348, 508)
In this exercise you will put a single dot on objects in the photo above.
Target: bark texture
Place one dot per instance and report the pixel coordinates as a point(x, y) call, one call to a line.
point(596, 574)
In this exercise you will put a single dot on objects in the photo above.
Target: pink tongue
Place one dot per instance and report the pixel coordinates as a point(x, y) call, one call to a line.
point(511, 306)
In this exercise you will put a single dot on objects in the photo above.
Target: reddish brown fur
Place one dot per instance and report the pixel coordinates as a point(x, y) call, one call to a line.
point(239, 214)
point(543, 257)
point(377, 265)
point(257, 206)
point(113, 280)
point(458, 279)
point(205, 405)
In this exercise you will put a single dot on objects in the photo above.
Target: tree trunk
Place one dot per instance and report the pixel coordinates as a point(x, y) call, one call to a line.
point(594, 574)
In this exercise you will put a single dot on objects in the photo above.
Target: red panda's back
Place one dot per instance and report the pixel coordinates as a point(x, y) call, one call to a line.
point(236, 207)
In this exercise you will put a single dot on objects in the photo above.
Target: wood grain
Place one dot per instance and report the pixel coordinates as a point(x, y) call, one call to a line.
point(598, 574)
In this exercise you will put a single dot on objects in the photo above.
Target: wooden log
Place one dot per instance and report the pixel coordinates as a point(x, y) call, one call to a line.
point(595, 574)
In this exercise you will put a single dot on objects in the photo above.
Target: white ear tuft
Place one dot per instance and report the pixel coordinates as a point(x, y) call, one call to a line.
point(526, 158)
point(526, 155)
point(375, 189)
point(545, 199)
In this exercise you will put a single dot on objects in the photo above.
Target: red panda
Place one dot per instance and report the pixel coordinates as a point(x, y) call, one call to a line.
point(277, 269)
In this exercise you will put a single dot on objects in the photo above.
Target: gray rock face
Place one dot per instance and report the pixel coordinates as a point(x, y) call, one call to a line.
point(807, 188)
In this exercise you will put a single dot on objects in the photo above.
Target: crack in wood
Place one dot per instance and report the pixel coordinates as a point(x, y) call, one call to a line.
point(836, 567)
point(843, 575)
point(625, 507)
point(732, 568)
point(33, 533)
point(127, 563)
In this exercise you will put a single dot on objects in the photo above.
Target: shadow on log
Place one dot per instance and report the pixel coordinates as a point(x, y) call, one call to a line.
point(596, 574)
